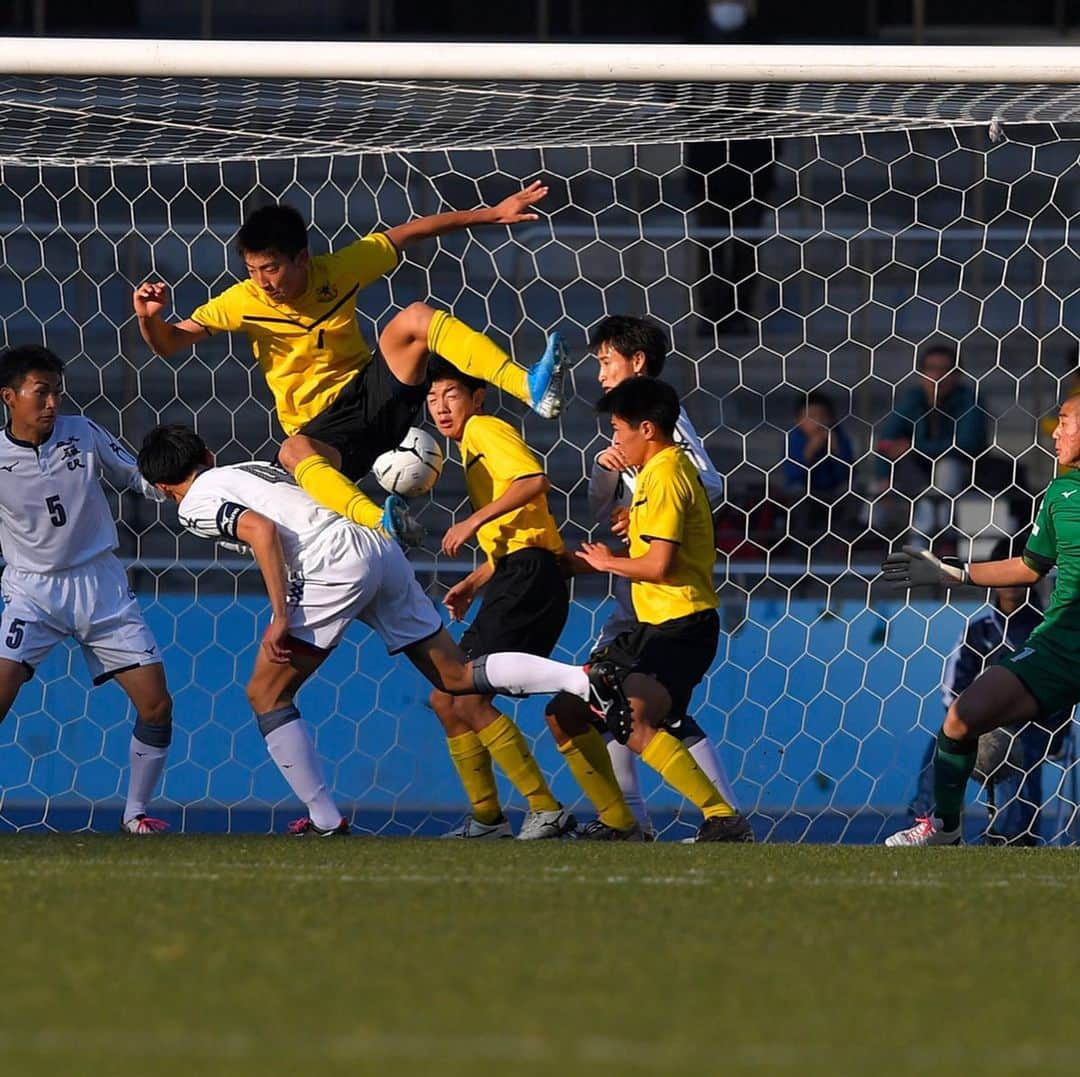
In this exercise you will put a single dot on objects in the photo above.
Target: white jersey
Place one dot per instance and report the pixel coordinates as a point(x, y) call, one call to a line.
point(609, 490)
point(53, 512)
point(338, 571)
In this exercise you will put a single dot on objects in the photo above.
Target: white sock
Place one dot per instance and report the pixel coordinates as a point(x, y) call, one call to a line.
point(707, 757)
point(292, 749)
point(514, 674)
point(623, 761)
point(147, 763)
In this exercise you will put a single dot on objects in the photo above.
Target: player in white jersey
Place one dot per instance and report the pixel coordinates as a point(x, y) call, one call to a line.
point(62, 577)
point(628, 347)
point(322, 572)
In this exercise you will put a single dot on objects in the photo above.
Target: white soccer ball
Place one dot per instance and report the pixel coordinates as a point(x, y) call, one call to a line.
point(412, 468)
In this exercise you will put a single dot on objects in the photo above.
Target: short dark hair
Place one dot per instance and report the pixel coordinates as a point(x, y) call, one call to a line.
point(170, 454)
point(627, 335)
point(939, 348)
point(819, 399)
point(273, 228)
point(438, 369)
point(17, 362)
point(639, 399)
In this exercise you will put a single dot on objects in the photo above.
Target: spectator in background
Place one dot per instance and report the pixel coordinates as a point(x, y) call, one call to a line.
point(728, 183)
point(819, 452)
point(928, 443)
point(819, 464)
point(1010, 759)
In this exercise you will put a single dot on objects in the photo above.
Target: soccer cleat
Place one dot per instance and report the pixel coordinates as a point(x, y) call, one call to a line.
point(143, 824)
point(472, 828)
point(543, 825)
point(598, 830)
point(609, 702)
point(302, 828)
point(546, 377)
point(731, 828)
point(399, 523)
point(926, 831)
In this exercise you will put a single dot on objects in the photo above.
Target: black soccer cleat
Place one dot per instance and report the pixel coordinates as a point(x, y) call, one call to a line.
point(609, 702)
point(732, 828)
point(600, 831)
point(305, 828)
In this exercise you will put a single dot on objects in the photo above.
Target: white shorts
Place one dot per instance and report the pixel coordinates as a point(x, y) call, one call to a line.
point(358, 574)
point(93, 604)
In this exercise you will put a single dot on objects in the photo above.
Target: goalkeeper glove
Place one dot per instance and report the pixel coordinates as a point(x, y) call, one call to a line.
point(920, 568)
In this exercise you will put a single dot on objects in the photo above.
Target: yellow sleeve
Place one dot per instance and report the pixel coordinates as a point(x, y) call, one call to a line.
point(223, 313)
point(367, 259)
point(661, 506)
point(504, 450)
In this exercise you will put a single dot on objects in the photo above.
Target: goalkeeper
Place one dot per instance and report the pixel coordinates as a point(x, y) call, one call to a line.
point(339, 404)
point(1030, 684)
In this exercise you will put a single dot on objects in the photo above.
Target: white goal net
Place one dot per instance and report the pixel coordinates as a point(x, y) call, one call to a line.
point(792, 238)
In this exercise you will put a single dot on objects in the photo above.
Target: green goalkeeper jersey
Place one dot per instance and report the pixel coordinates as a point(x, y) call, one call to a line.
point(1055, 540)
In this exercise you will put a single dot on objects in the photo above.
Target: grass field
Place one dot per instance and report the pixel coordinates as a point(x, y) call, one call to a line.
point(258, 956)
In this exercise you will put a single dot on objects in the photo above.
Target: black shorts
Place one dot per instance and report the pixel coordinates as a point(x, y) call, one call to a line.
point(524, 608)
point(370, 415)
point(678, 653)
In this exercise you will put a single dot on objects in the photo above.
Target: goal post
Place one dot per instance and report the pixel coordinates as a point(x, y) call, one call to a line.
point(800, 220)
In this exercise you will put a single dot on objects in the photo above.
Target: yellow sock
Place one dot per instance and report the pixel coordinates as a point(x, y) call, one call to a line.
point(590, 764)
point(330, 488)
point(670, 759)
point(473, 764)
point(507, 746)
point(473, 353)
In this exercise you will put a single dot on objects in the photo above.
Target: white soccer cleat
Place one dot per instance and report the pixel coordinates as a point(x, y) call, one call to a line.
point(544, 825)
point(143, 824)
point(926, 831)
point(473, 828)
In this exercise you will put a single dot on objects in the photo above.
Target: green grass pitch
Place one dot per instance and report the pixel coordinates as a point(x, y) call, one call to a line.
point(258, 956)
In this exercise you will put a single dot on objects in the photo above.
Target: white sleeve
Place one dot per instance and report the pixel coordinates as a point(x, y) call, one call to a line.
point(603, 484)
point(208, 513)
point(119, 464)
point(712, 480)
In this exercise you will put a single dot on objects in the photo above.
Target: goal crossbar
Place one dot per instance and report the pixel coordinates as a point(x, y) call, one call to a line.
point(544, 61)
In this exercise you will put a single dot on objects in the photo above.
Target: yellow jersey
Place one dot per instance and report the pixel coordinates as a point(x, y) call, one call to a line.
point(309, 350)
point(494, 456)
point(670, 503)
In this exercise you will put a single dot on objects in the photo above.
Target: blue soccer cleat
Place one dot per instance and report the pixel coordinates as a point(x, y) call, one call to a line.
point(546, 378)
point(399, 524)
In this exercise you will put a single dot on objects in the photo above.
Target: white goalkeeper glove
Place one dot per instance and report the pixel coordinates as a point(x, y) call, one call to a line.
point(920, 568)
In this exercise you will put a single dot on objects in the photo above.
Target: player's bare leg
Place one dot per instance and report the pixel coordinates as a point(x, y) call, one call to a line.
point(150, 739)
point(271, 692)
point(997, 697)
point(13, 675)
point(412, 334)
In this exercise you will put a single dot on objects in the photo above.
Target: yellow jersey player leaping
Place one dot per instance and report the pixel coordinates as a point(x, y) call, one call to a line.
point(339, 404)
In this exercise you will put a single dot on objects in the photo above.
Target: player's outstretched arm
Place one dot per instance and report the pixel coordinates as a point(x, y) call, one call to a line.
point(653, 567)
point(261, 535)
point(165, 338)
point(912, 567)
point(512, 210)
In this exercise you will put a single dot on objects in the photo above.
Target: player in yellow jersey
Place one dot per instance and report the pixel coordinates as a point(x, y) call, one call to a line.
point(339, 405)
point(660, 660)
point(525, 601)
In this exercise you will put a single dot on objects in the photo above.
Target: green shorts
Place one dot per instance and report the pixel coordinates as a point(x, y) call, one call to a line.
point(1052, 678)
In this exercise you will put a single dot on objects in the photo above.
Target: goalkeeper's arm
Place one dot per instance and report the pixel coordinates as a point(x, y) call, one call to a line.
point(913, 567)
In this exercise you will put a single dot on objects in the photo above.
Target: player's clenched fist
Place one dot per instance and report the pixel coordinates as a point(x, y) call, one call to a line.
point(150, 299)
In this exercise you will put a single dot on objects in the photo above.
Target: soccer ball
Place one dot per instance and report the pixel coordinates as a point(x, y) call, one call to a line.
point(412, 468)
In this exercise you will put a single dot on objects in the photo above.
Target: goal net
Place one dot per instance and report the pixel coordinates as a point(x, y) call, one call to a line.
point(795, 233)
